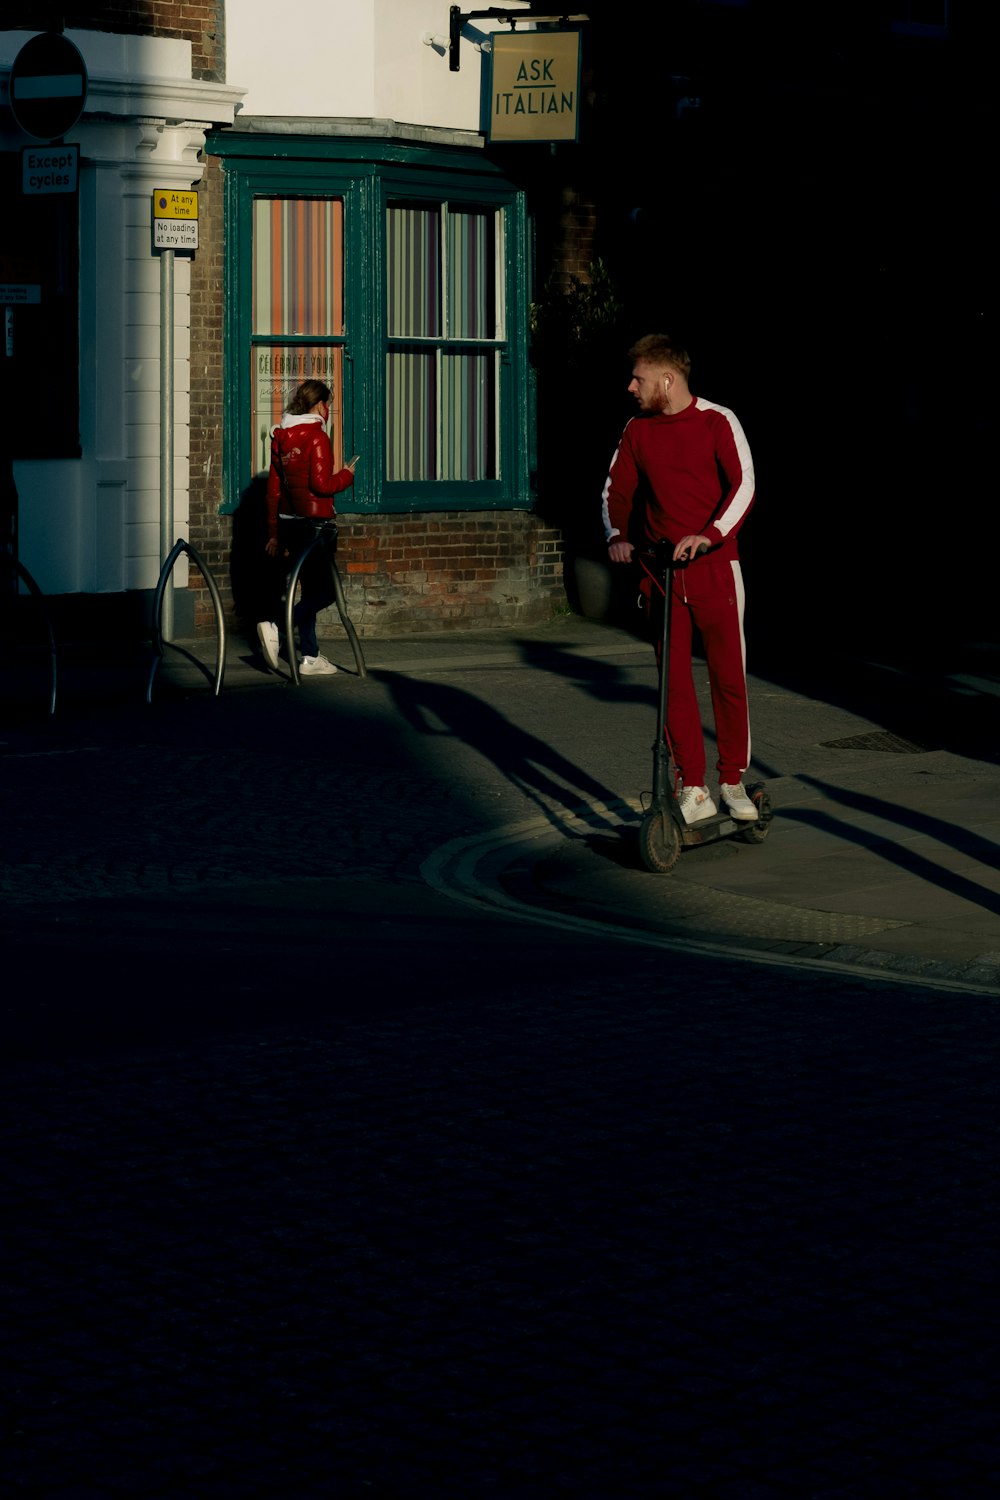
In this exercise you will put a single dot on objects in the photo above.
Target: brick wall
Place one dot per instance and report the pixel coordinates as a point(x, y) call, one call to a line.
point(573, 255)
point(402, 575)
point(201, 22)
point(450, 570)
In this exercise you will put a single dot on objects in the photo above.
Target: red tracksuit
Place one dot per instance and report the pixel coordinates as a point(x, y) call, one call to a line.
point(699, 481)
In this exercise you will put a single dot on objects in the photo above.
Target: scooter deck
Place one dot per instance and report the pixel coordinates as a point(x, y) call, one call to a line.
point(721, 826)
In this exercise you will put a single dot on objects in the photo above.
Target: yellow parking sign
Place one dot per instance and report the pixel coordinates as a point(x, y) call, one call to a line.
point(168, 204)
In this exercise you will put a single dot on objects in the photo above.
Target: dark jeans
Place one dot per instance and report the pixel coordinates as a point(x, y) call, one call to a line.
point(316, 578)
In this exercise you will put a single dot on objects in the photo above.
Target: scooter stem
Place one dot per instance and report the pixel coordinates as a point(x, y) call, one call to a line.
point(661, 754)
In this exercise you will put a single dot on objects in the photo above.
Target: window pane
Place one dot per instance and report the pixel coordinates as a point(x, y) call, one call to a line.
point(468, 416)
point(471, 263)
point(298, 266)
point(413, 271)
point(276, 374)
point(441, 404)
point(411, 419)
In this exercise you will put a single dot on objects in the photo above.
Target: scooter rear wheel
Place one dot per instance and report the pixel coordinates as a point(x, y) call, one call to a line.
point(659, 842)
point(756, 833)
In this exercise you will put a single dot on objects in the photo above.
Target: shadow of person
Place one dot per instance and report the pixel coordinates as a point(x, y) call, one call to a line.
point(605, 682)
point(900, 852)
point(548, 779)
point(257, 579)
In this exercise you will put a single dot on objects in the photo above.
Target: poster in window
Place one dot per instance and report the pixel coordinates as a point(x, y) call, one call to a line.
point(278, 372)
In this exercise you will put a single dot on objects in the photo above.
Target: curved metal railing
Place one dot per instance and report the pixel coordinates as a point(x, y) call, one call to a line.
point(323, 530)
point(179, 547)
point(39, 598)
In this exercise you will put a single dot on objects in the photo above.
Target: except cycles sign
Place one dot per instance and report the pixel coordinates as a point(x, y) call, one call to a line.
point(49, 169)
point(48, 86)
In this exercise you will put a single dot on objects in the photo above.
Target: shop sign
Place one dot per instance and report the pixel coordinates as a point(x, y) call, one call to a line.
point(534, 86)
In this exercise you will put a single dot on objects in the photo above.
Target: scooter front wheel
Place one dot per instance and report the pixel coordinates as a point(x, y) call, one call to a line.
point(659, 841)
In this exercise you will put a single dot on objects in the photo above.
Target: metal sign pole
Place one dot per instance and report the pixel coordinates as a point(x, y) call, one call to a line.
point(175, 227)
point(167, 431)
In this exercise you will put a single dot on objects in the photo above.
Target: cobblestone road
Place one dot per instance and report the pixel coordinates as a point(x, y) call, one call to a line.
point(317, 1184)
point(606, 1236)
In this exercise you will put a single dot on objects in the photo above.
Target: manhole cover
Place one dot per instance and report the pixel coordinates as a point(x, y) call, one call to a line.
point(878, 740)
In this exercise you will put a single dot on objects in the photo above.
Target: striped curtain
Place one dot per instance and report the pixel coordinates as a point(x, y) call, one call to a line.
point(468, 416)
point(298, 266)
point(411, 416)
point(470, 263)
point(413, 271)
point(441, 402)
point(298, 290)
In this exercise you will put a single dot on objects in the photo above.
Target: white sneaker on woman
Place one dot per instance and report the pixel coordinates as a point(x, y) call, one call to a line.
point(316, 666)
point(267, 634)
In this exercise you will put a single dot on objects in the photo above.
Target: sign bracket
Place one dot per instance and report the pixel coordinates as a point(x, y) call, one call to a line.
point(458, 17)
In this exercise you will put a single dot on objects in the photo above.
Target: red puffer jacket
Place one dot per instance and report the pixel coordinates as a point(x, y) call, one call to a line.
point(301, 481)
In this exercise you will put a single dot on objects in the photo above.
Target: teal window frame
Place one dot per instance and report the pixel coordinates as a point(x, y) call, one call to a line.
point(367, 175)
point(446, 343)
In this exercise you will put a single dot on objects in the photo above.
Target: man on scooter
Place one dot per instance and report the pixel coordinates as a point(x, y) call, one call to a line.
point(699, 487)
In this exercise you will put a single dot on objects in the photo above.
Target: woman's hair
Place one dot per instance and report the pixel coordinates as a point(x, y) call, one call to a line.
point(306, 397)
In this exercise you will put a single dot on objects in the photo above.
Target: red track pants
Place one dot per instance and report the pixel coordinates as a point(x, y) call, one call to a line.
point(709, 599)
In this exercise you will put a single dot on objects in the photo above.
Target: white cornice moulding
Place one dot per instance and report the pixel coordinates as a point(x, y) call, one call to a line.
point(133, 77)
point(163, 98)
point(167, 154)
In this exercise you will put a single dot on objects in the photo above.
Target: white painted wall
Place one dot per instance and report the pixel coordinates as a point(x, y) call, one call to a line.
point(91, 525)
point(364, 59)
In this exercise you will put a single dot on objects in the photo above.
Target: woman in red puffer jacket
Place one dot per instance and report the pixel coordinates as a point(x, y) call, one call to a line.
point(300, 488)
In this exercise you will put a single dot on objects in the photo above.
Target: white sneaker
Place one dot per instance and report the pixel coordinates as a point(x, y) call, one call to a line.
point(696, 804)
point(738, 804)
point(318, 666)
point(267, 634)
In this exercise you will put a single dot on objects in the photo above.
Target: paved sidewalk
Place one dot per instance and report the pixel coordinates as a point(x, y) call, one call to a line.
point(876, 861)
point(884, 854)
point(885, 850)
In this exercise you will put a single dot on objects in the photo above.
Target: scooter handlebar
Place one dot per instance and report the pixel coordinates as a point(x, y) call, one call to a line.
point(661, 553)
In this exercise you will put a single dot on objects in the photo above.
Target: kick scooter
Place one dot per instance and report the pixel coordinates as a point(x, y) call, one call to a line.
point(663, 833)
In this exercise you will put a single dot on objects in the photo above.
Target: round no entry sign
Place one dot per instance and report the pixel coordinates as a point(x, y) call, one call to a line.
point(48, 86)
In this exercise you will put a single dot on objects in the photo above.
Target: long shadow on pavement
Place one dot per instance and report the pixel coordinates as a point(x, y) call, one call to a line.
point(541, 772)
point(902, 854)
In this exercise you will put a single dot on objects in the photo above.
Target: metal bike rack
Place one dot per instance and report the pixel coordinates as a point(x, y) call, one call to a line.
point(39, 597)
point(321, 527)
point(179, 547)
